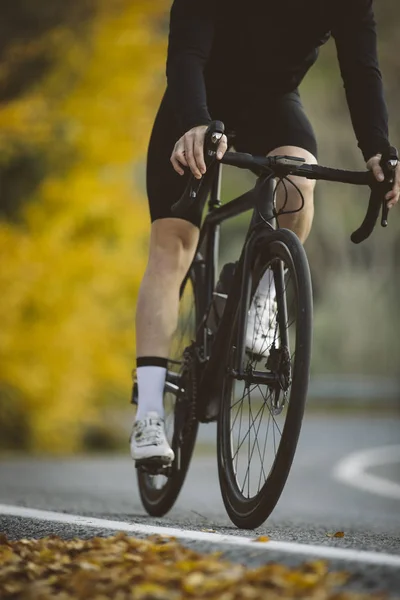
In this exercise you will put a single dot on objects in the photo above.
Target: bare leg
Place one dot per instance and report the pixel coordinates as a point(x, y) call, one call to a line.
point(172, 246)
point(300, 223)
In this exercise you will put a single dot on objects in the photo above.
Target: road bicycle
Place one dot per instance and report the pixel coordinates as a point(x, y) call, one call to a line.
point(214, 373)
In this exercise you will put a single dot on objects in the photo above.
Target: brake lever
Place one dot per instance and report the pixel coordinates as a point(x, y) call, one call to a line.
point(388, 164)
point(385, 214)
point(212, 138)
point(194, 187)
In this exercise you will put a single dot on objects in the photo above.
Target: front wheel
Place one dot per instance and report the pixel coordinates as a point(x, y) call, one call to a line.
point(261, 412)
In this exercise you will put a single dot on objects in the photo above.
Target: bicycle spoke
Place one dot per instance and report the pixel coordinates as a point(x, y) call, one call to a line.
point(248, 459)
point(243, 440)
point(242, 398)
point(237, 413)
point(254, 426)
point(265, 446)
point(240, 426)
point(256, 441)
point(273, 417)
point(250, 454)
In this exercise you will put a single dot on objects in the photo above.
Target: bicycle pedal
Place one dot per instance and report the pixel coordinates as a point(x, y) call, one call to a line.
point(154, 466)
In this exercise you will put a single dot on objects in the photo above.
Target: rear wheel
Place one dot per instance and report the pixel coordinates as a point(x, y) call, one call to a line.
point(260, 417)
point(160, 488)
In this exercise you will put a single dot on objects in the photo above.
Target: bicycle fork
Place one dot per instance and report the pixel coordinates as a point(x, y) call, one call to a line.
point(237, 304)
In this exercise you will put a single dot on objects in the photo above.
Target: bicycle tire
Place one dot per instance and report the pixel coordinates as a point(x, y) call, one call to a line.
point(158, 501)
point(250, 512)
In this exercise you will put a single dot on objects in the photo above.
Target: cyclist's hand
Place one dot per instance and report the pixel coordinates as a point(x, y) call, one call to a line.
point(189, 151)
point(393, 195)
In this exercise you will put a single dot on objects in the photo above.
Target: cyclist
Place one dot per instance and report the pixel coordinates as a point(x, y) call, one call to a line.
point(241, 63)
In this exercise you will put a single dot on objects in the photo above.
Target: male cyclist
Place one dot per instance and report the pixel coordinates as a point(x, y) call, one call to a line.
point(242, 63)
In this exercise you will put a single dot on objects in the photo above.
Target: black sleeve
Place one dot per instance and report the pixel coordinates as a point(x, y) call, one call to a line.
point(190, 40)
point(355, 37)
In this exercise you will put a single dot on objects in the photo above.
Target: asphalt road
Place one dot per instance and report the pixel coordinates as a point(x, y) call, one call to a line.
point(346, 477)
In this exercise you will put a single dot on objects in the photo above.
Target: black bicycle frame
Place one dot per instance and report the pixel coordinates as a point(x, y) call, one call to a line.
point(260, 199)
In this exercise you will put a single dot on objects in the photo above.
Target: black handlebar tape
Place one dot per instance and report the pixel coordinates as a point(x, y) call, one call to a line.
point(388, 163)
point(367, 226)
point(186, 202)
point(242, 160)
point(338, 175)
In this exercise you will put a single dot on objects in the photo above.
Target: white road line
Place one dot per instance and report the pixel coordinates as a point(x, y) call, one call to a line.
point(375, 558)
point(352, 470)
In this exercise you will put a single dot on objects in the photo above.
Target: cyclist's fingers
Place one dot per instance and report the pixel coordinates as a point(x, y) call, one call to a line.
point(392, 199)
point(178, 157)
point(176, 164)
point(189, 153)
point(377, 171)
point(199, 151)
point(222, 147)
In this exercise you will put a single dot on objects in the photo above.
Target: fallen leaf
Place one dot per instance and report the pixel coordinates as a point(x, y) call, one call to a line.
point(120, 567)
point(338, 534)
point(192, 582)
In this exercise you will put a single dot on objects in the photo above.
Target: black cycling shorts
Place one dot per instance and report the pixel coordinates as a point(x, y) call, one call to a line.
point(261, 124)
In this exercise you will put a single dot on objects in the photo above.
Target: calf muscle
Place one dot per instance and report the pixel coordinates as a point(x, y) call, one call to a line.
point(172, 246)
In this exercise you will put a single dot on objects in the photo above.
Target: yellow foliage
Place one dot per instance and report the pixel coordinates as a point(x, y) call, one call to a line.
point(134, 569)
point(70, 273)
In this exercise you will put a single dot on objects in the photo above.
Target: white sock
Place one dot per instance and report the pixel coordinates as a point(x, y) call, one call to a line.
point(266, 286)
point(151, 381)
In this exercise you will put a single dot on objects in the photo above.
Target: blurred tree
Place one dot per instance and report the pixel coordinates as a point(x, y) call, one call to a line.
point(24, 38)
point(29, 43)
point(72, 265)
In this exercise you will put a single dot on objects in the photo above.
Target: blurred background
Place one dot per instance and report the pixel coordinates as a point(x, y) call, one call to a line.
point(80, 83)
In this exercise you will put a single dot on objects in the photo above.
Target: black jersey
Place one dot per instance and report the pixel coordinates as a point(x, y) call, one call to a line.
point(267, 46)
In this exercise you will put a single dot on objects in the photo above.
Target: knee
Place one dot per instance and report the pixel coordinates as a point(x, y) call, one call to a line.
point(290, 196)
point(172, 246)
point(294, 185)
point(305, 186)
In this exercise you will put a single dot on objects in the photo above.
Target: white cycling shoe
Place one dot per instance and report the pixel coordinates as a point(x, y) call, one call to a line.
point(148, 441)
point(262, 328)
